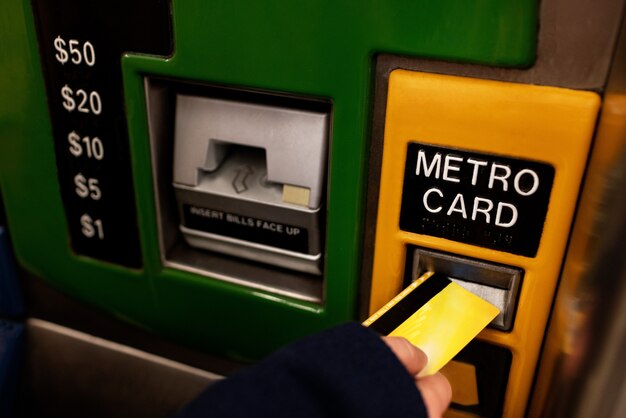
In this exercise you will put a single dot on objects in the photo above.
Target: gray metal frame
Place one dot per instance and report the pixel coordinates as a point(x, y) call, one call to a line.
point(497, 284)
point(70, 374)
point(587, 331)
point(174, 251)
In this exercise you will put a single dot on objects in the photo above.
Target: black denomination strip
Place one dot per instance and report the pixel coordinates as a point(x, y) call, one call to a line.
point(81, 45)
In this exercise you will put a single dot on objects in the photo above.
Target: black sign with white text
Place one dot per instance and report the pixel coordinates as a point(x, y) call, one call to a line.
point(81, 45)
point(247, 228)
point(481, 199)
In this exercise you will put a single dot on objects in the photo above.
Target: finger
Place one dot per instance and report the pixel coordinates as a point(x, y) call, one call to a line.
point(410, 356)
point(436, 393)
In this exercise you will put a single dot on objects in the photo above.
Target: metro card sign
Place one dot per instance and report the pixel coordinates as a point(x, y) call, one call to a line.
point(482, 199)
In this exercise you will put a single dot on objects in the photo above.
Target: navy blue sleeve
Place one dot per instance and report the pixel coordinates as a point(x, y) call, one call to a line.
point(346, 371)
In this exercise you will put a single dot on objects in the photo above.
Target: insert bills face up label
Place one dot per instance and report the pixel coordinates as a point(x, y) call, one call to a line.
point(436, 315)
point(261, 231)
point(482, 199)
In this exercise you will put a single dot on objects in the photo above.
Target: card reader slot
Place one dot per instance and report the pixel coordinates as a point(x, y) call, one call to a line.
point(497, 284)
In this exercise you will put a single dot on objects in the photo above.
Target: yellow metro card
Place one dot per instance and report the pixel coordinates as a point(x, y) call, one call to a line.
point(436, 315)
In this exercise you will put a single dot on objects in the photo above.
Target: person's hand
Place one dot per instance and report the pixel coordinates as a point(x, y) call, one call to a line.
point(436, 390)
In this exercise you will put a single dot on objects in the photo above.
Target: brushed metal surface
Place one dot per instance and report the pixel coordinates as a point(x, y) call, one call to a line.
point(582, 371)
point(69, 373)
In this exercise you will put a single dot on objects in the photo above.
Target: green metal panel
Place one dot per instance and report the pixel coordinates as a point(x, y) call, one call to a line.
point(321, 48)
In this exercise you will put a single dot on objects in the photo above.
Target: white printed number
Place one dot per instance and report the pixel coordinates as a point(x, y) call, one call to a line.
point(91, 227)
point(83, 101)
point(92, 147)
point(87, 187)
point(73, 52)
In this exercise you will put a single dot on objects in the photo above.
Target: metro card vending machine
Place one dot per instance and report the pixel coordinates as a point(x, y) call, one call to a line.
point(197, 183)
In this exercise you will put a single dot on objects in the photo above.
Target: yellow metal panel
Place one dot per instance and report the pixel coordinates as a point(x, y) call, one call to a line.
point(452, 413)
point(545, 124)
point(465, 389)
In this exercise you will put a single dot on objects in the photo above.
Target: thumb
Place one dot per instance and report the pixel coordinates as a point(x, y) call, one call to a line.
point(436, 393)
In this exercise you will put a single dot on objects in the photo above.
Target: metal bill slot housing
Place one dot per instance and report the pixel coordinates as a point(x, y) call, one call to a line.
point(249, 179)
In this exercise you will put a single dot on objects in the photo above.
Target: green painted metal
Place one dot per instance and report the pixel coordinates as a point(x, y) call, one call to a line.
point(322, 48)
